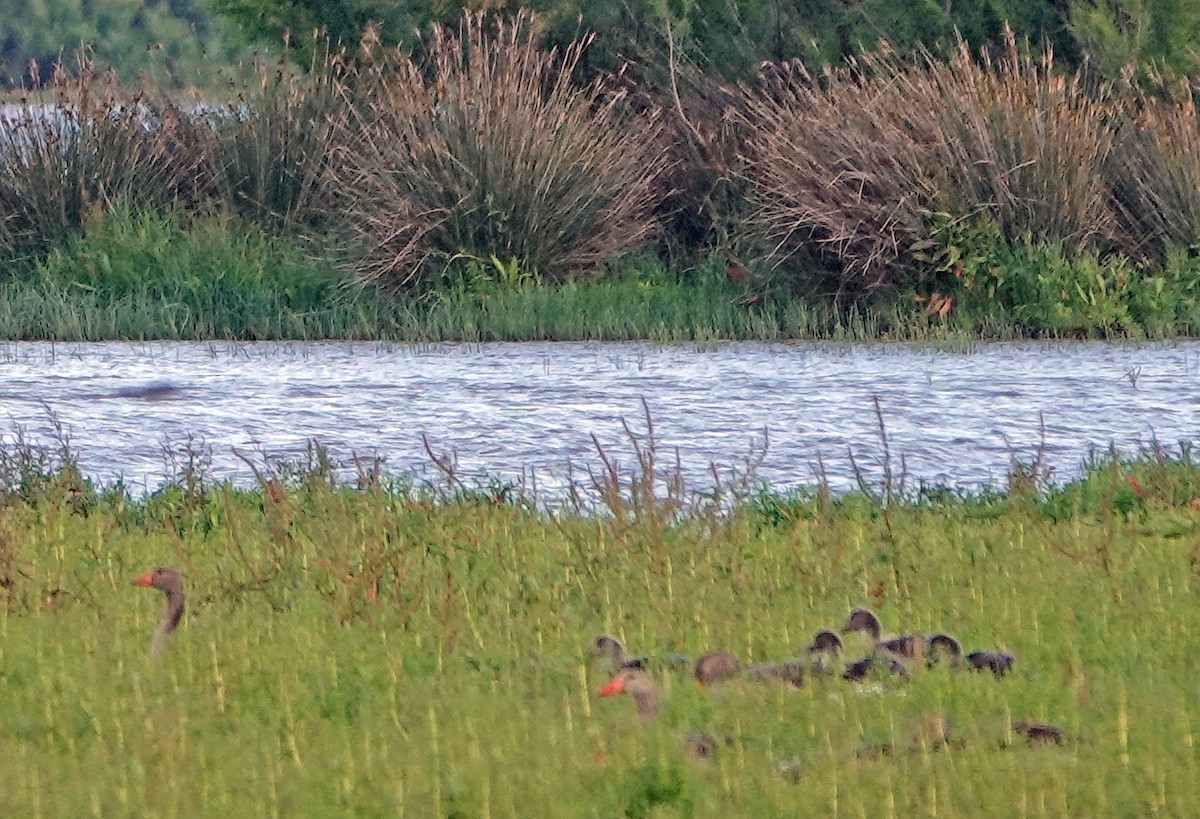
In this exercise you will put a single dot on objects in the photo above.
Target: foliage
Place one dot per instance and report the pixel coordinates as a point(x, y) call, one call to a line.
point(858, 162)
point(491, 149)
point(175, 42)
point(156, 279)
point(98, 145)
point(1147, 34)
point(1047, 289)
point(731, 39)
point(332, 630)
point(303, 25)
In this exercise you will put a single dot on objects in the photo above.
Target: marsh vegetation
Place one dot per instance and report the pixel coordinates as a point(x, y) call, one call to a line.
point(486, 186)
point(382, 647)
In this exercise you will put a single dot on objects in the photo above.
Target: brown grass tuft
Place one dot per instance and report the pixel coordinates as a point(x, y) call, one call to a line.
point(488, 148)
point(859, 160)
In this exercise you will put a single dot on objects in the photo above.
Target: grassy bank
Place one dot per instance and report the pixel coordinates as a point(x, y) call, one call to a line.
point(142, 275)
point(380, 652)
point(478, 190)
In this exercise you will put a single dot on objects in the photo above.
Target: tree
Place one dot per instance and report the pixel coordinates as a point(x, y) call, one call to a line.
point(306, 24)
point(171, 38)
point(1116, 33)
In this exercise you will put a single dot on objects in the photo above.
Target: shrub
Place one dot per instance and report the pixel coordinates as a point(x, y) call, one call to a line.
point(1051, 289)
point(270, 146)
point(859, 160)
point(219, 279)
point(488, 149)
point(98, 145)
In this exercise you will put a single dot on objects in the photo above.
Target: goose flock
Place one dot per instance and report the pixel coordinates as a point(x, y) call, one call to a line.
point(887, 656)
point(895, 655)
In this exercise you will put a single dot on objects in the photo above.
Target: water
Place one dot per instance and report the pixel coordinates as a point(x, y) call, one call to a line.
point(526, 411)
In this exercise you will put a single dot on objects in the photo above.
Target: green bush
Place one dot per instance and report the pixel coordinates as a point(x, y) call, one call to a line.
point(1048, 289)
point(143, 274)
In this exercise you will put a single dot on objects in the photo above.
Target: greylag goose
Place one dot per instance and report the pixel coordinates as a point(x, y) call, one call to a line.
point(824, 649)
point(857, 670)
point(818, 658)
point(714, 667)
point(1039, 732)
point(606, 645)
point(634, 680)
point(169, 582)
point(791, 672)
point(863, 619)
point(998, 662)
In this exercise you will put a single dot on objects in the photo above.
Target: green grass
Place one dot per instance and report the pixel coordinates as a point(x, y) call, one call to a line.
point(462, 688)
point(146, 275)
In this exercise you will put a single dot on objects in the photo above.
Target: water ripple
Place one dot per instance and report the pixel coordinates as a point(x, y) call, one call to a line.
point(955, 417)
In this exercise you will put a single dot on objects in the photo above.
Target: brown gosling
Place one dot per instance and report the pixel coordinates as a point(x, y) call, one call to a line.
point(818, 656)
point(929, 732)
point(714, 667)
point(997, 662)
point(857, 670)
point(825, 646)
point(863, 619)
point(791, 672)
point(941, 644)
point(606, 645)
point(1036, 733)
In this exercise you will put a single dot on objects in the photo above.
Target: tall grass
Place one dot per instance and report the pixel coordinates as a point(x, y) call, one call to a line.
point(145, 275)
point(1156, 169)
point(99, 144)
point(489, 148)
point(269, 147)
point(860, 161)
point(376, 652)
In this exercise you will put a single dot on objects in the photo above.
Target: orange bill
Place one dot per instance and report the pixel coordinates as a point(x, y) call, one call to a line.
point(614, 686)
point(144, 580)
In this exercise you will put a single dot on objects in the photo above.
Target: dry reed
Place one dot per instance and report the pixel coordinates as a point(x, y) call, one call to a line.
point(489, 149)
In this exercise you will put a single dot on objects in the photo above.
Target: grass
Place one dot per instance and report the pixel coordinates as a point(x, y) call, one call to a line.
point(144, 275)
point(140, 275)
point(377, 652)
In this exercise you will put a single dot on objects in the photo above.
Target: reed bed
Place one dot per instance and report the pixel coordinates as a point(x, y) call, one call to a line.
point(421, 650)
point(863, 160)
point(940, 197)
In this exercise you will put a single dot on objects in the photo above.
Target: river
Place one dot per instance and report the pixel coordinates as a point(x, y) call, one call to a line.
point(523, 412)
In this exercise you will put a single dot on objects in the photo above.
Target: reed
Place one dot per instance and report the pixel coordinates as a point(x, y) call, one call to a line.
point(1155, 170)
point(860, 161)
point(489, 148)
point(98, 145)
point(269, 147)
